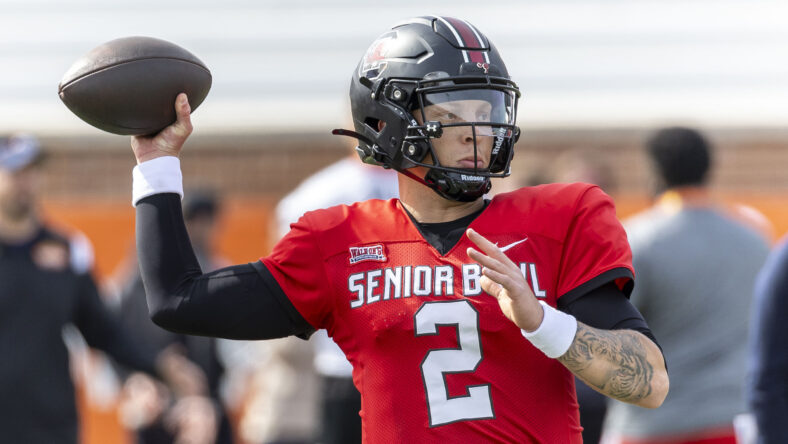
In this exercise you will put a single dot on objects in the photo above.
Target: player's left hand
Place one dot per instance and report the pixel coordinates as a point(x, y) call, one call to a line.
point(503, 279)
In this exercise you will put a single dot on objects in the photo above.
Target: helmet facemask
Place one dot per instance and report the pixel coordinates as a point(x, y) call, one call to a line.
point(471, 111)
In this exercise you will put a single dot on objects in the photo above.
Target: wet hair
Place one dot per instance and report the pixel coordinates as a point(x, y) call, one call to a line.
point(681, 156)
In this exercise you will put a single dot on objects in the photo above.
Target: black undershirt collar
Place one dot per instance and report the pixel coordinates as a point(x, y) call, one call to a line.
point(445, 235)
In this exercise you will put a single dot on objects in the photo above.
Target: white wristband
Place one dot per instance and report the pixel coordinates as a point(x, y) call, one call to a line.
point(555, 334)
point(159, 175)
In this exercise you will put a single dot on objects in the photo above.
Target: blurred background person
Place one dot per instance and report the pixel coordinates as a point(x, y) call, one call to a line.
point(281, 405)
point(767, 387)
point(582, 164)
point(577, 163)
point(45, 286)
point(696, 265)
point(160, 413)
point(311, 395)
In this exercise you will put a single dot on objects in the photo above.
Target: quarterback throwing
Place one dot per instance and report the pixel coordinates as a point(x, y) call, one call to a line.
point(465, 318)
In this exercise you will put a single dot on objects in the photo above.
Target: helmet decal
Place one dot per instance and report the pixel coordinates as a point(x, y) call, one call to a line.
point(374, 62)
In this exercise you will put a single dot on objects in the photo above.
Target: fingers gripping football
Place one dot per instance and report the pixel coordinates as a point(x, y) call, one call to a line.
point(503, 279)
point(170, 140)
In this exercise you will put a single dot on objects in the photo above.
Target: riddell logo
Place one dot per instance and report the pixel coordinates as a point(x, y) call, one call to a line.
point(370, 253)
point(467, 178)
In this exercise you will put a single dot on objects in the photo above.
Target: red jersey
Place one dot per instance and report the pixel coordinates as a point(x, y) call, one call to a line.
point(433, 356)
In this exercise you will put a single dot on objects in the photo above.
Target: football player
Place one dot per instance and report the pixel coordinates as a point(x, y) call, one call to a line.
point(464, 318)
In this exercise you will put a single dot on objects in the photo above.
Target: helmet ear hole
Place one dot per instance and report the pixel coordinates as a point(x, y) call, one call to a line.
point(375, 124)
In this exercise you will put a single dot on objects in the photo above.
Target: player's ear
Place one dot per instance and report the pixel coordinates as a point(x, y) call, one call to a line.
point(381, 125)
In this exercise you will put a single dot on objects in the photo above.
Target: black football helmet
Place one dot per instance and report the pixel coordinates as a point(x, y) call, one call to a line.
point(427, 61)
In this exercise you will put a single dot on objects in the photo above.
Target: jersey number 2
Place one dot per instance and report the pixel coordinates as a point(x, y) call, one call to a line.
point(439, 362)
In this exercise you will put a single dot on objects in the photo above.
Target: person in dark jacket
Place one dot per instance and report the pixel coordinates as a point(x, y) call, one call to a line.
point(45, 285)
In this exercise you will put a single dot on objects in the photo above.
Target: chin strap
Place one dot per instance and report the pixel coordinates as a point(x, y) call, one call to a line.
point(418, 179)
point(450, 186)
point(447, 191)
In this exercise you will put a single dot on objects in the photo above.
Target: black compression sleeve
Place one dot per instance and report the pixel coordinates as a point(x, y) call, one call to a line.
point(607, 308)
point(237, 302)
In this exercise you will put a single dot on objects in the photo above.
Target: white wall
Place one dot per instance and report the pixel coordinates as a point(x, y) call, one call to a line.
point(286, 64)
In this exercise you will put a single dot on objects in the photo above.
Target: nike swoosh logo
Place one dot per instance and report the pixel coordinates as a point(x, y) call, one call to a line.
point(513, 244)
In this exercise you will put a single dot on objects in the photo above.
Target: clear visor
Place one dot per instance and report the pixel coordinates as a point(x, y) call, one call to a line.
point(485, 117)
point(483, 107)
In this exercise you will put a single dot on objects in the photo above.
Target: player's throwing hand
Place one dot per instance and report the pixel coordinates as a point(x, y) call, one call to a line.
point(502, 278)
point(170, 140)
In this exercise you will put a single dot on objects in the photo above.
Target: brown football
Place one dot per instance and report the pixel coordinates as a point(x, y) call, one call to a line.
point(128, 85)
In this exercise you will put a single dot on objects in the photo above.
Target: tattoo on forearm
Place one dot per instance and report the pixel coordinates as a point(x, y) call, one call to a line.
point(629, 377)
